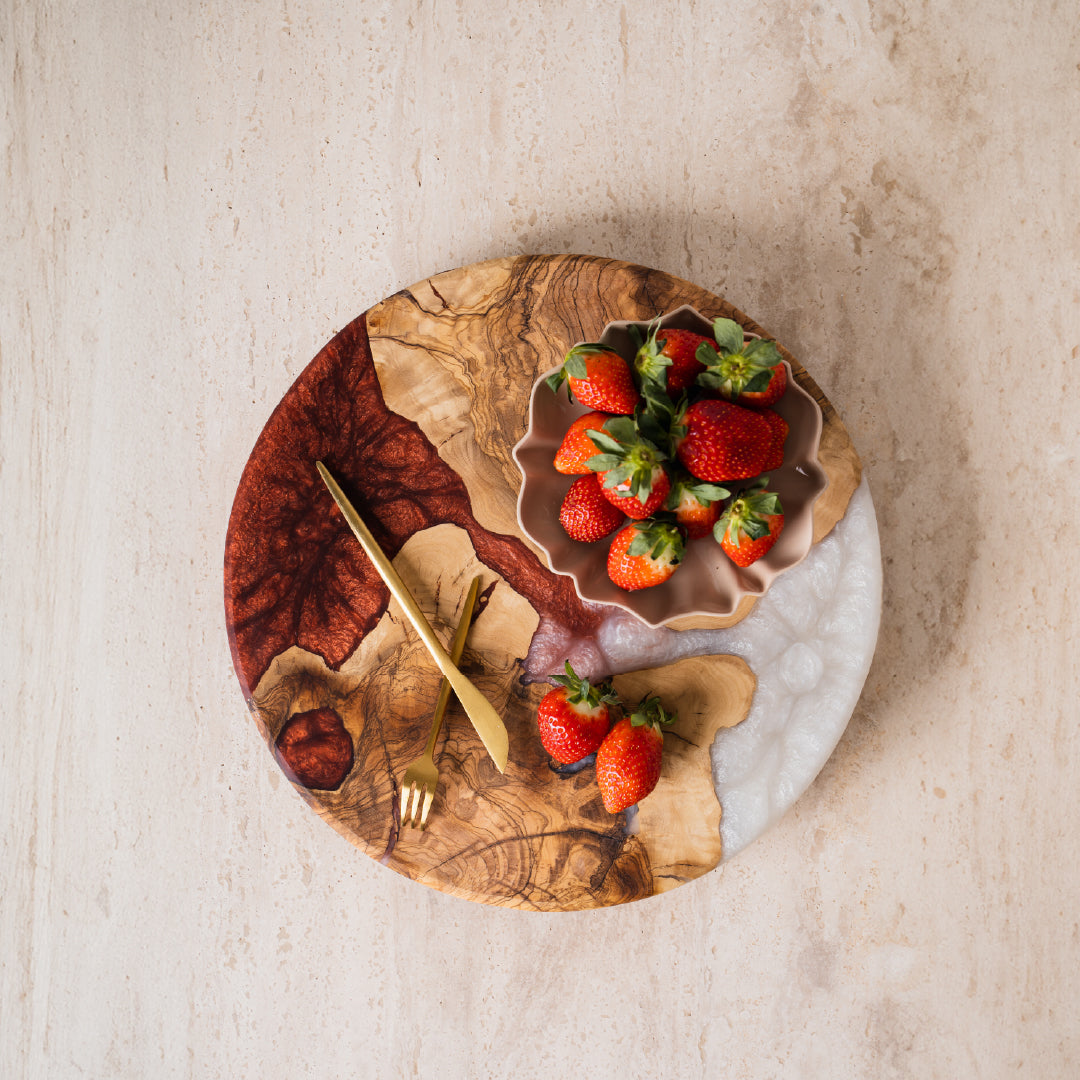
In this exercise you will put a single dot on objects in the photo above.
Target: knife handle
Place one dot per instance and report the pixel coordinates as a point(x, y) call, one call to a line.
point(389, 575)
point(481, 712)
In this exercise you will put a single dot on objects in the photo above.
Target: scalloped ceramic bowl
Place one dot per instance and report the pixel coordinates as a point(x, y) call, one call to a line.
point(708, 584)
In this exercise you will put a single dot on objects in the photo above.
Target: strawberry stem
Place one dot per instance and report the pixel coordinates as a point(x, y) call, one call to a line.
point(650, 711)
point(580, 690)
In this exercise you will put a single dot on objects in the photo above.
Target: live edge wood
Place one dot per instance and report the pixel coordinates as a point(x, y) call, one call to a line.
point(456, 355)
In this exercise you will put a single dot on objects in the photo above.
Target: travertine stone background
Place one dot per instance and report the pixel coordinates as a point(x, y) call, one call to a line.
point(196, 196)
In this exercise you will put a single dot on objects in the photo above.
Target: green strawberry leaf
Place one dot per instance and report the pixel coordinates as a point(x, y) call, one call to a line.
point(574, 365)
point(642, 544)
point(655, 537)
point(708, 493)
point(728, 334)
point(757, 382)
point(655, 431)
point(704, 493)
point(713, 380)
point(767, 504)
point(763, 352)
point(753, 528)
point(640, 484)
point(624, 473)
point(555, 380)
point(649, 362)
point(706, 354)
point(604, 463)
point(656, 421)
point(603, 441)
point(581, 691)
point(746, 517)
point(651, 712)
point(622, 428)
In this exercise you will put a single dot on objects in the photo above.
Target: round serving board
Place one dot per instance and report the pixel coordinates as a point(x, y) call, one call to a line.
point(415, 408)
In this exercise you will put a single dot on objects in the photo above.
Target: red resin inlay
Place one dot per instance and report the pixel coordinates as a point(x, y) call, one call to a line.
point(294, 573)
point(316, 749)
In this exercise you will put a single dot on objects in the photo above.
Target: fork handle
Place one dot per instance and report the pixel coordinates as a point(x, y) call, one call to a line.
point(457, 647)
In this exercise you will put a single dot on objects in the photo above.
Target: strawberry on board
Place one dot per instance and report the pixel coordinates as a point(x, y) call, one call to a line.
point(576, 447)
point(718, 441)
point(574, 717)
point(668, 358)
point(780, 429)
point(631, 468)
point(749, 371)
point(598, 377)
point(751, 523)
point(630, 758)
point(696, 505)
point(586, 513)
point(644, 554)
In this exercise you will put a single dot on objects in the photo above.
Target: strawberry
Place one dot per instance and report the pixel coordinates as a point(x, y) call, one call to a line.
point(751, 524)
point(623, 499)
point(749, 372)
point(719, 441)
point(668, 359)
point(696, 505)
point(598, 377)
point(630, 757)
point(574, 717)
point(779, 427)
point(631, 468)
point(644, 554)
point(576, 447)
point(586, 513)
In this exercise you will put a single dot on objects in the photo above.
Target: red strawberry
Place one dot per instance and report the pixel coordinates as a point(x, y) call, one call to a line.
point(574, 717)
point(629, 760)
point(586, 513)
point(668, 359)
point(696, 505)
point(750, 372)
point(644, 554)
point(719, 441)
point(598, 377)
point(779, 427)
point(631, 468)
point(751, 524)
point(623, 499)
point(576, 448)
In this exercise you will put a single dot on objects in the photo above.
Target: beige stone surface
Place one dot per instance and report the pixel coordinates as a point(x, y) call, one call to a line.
point(196, 196)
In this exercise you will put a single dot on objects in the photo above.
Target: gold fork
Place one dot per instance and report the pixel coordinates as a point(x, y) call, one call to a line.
point(422, 776)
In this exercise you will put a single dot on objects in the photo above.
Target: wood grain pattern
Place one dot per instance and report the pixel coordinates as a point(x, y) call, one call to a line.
point(415, 407)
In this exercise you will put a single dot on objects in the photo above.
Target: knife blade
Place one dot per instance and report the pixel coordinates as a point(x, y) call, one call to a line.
point(487, 722)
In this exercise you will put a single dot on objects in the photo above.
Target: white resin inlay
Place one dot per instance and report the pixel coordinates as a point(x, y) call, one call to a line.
point(809, 641)
point(801, 668)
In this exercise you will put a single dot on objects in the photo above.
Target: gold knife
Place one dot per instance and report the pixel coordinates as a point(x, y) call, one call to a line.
point(480, 711)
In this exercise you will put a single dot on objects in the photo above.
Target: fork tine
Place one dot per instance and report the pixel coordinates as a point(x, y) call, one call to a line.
point(429, 798)
point(421, 778)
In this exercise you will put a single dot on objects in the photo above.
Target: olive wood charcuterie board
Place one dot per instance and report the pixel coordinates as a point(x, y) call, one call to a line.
point(415, 406)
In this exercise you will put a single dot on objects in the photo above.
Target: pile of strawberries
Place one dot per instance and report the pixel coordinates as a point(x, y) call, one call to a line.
point(577, 719)
point(668, 435)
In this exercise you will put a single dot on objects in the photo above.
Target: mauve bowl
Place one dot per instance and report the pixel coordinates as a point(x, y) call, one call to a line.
point(708, 584)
